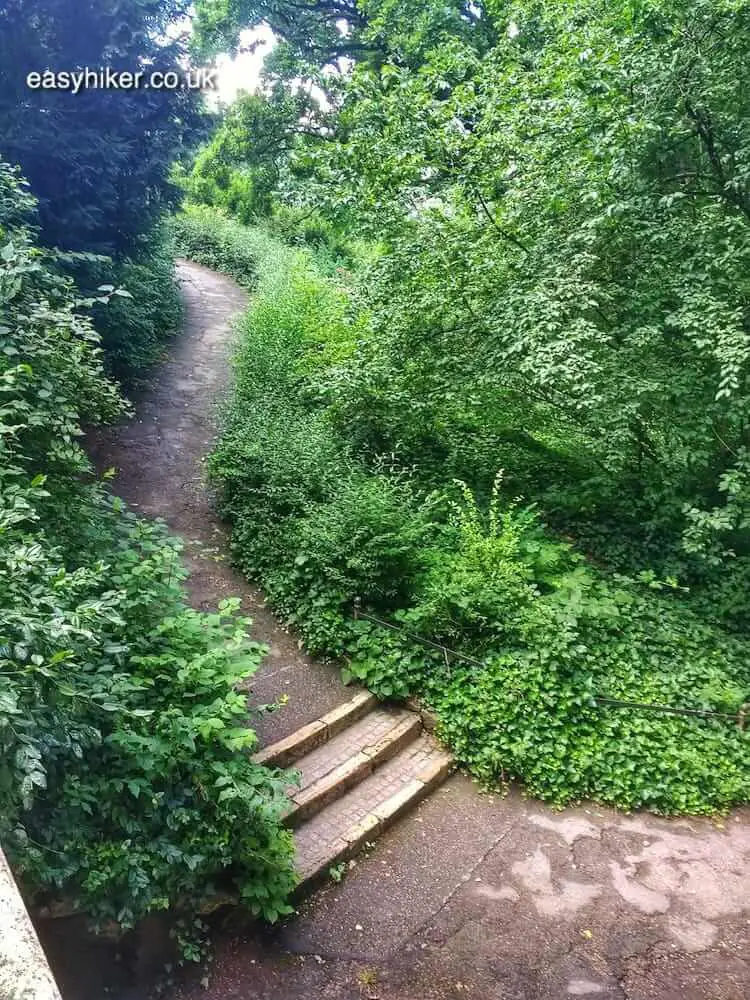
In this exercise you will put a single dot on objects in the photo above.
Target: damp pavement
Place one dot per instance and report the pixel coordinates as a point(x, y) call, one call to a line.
point(472, 895)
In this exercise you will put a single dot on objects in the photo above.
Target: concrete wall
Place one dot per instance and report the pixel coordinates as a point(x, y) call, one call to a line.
point(24, 972)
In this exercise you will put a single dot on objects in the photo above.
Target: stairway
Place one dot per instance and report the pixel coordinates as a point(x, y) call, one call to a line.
point(361, 766)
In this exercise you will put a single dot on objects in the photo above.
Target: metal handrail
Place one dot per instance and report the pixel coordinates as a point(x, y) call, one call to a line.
point(739, 718)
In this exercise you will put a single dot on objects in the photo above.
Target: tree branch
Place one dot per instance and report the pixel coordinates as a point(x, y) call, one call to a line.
point(503, 232)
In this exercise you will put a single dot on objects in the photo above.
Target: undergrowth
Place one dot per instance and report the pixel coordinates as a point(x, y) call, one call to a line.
point(318, 526)
point(126, 784)
point(207, 237)
point(135, 330)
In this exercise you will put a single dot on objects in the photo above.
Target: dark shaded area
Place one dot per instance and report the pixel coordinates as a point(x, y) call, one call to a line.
point(99, 160)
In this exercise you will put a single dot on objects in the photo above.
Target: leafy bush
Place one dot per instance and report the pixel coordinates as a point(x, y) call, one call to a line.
point(125, 780)
point(135, 325)
point(561, 213)
point(480, 573)
point(208, 237)
point(285, 478)
point(553, 635)
point(309, 228)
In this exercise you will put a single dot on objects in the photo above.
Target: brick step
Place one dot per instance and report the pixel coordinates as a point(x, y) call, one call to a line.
point(341, 829)
point(286, 752)
point(330, 770)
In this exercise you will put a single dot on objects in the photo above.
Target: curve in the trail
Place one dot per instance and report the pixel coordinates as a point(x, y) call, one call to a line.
point(471, 895)
point(160, 461)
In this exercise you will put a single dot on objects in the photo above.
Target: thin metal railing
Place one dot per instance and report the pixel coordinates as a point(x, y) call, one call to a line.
point(739, 718)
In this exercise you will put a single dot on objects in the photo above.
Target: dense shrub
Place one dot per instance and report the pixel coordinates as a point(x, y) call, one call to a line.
point(307, 227)
point(125, 780)
point(559, 196)
point(205, 235)
point(286, 480)
point(318, 527)
point(134, 327)
point(553, 635)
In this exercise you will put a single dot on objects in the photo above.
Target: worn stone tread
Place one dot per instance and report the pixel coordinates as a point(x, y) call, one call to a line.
point(333, 768)
point(364, 735)
point(285, 752)
point(341, 829)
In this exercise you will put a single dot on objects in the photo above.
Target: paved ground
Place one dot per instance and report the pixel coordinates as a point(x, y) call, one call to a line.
point(471, 895)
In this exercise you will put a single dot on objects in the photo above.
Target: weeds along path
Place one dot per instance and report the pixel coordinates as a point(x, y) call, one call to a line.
point(470, 895)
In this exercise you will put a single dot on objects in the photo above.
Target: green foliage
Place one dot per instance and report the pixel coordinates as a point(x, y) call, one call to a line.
point(306, 227)
point(479, 573)
point(99, 160)
point(239, 170)
point(245, 171)
point(564, 272)
point(311, 29)
point(134, 328)
point(125, 780)
point(559, 195)
point(285, 476)
point(481, 583)
point(553, 635)
point(531, 716)
point(206, 236)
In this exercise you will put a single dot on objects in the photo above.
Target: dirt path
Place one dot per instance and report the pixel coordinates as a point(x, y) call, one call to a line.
point(471, 895)
point(159, 458)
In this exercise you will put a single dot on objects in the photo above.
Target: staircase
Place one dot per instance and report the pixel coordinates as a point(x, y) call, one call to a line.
point(361, 766)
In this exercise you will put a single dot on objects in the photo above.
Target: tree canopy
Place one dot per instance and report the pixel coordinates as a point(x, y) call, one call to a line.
point(316, 30)
point(99, 160)
point(561, 193)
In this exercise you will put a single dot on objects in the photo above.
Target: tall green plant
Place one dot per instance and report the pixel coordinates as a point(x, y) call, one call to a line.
point(125, 777)
point(560, 197)
point(319, 523)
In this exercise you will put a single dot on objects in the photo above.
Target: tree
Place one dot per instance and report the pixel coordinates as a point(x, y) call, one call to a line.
point(241, 167)
point(99, 160)
point(564, 215)
point(319, 31)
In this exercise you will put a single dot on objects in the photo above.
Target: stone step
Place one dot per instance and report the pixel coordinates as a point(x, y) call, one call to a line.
point(343, 827)
point(331, 769)
point(286, 752)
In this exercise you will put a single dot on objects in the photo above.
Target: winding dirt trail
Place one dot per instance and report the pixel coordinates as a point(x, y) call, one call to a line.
point(470, 895)
point(160, 461)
